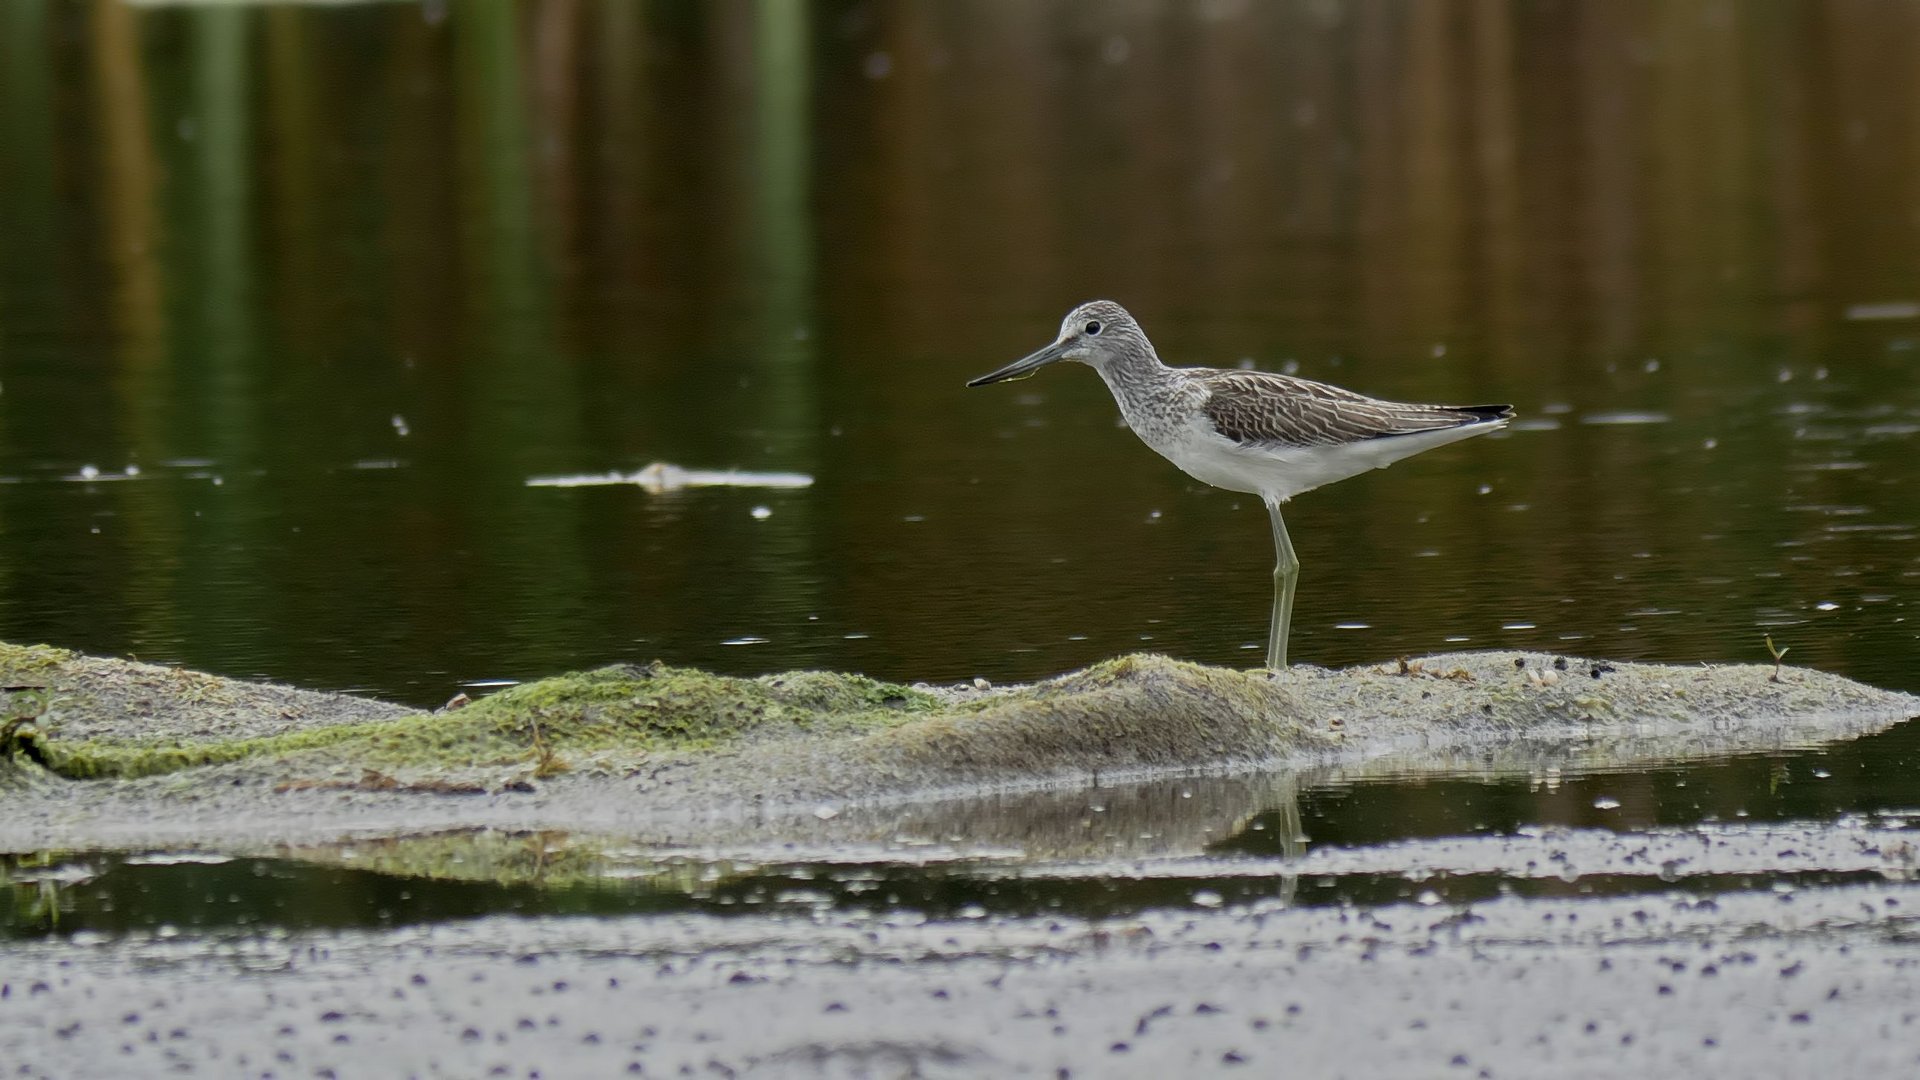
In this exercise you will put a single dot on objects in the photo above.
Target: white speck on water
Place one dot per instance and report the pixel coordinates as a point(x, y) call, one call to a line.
point(1783, 375)
point(1290, 367)
point(1427, 553)
point(973, 911)
point(1352, 626)
point(1624, 418)
point(747, 640)
point(1517, 626)
point(1709, 443)
point(1886, 309)
point(1207, 898)
point(761, 513)
point(1439, 350)
point(133, 470)
point(1076, 637)
point(1456, 639)
point(1652, 365)
point(1826, 605)
point(1822, 774)
point(914, 518)
point(856, 637)
point(1486, 489)
point(1606, 802)
point(1153, 515)
point(1428, 898)
point(89, 472)
point(400, 427)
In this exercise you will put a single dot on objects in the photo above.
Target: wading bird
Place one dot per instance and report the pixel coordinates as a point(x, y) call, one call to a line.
point(1264, 434)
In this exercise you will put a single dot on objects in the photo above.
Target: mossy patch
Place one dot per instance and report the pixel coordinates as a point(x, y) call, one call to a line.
point(615, 718)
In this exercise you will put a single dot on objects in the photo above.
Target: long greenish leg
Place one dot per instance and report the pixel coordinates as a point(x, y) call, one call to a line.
point(1286, 571)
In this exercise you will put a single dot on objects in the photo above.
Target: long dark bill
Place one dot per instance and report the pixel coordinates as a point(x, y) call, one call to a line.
point(1023, 367)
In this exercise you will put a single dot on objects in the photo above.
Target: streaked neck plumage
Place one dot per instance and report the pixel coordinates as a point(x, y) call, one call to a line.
point(1140, 384)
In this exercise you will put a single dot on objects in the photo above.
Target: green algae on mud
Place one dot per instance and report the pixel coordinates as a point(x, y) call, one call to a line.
point(649, 742)
point(614, 717)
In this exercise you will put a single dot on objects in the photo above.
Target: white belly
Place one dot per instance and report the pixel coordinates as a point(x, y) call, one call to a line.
point(1278, 473)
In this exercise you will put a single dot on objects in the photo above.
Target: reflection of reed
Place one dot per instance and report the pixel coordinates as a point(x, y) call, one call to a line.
point(554, 59)
point(127, 181)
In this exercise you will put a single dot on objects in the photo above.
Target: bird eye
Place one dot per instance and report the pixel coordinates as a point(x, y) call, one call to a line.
point(1093, 328)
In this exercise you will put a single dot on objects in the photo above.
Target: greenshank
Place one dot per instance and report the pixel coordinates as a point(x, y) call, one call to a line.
point(1257, 432)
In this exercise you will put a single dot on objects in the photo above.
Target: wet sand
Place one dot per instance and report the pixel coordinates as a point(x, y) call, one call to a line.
point(1760, 984)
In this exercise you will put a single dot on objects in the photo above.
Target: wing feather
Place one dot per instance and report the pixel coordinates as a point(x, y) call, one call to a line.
point(1261, 408)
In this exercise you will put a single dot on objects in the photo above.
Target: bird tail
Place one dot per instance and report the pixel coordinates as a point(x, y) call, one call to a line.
point(1481, 414)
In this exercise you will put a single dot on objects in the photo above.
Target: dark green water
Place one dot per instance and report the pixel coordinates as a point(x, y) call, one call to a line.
point(339, 281)
point(295, 300)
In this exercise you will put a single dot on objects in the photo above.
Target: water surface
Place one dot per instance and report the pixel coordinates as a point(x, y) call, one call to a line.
point(337, 280)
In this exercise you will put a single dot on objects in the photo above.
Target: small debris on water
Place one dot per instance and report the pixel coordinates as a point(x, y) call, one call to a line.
point(761, 513)
point(662, 476)
point(1606, 802)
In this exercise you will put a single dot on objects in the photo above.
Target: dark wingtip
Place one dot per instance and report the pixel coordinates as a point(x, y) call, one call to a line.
point(1484, 413)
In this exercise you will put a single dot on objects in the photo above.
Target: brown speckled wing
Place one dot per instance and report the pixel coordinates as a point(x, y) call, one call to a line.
point(1260, 408)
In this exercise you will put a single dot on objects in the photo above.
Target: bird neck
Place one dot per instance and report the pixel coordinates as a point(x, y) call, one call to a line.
point(1134, 373)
